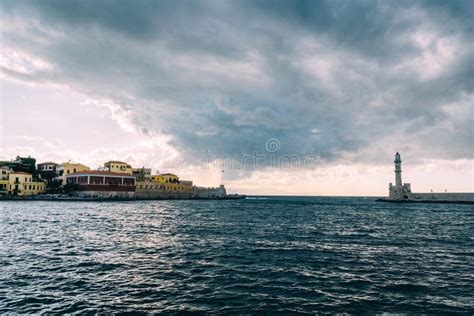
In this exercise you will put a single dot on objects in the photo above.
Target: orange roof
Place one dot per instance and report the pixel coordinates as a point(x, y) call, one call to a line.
point(21, 172)
point(101, 173)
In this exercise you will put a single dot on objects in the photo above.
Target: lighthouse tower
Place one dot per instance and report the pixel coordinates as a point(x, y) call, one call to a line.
point(399, 191)
point(398, 170)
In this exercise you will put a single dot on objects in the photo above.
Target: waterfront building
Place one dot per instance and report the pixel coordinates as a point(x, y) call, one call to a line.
point(142, 174)
point(166, 182)
point(47, 171)
point(101, 184)
point(179, 187)
point(171, 182)
point(47, 166)
point(67, 168)
point(170, 177)
point(157, 178)
point(182, 186)
point(165, 185)
point(154, 189)
point(21, 183)
point(118, 167)
point(165, 178)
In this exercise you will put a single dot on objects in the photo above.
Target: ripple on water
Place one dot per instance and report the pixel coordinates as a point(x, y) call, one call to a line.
point(271, 255)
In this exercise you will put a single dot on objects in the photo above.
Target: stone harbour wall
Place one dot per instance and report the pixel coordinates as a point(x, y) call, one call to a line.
point(104, 194)
point(443, 196)
point(161, 194)
point(195, 193)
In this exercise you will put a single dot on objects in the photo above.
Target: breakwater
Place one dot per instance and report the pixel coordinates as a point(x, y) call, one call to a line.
point(401, 192)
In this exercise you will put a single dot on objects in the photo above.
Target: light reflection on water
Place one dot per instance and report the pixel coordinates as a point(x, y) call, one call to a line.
point(287, 255)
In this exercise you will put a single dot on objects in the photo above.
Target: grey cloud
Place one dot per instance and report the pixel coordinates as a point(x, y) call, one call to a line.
point(223, 77)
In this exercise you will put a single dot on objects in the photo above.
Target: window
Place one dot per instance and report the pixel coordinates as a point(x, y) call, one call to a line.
point(130, 181)
point(112, 181)
point(96, 180)
point(83, 179)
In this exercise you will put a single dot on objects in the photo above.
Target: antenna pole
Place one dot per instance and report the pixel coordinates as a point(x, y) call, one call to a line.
point(222, 173)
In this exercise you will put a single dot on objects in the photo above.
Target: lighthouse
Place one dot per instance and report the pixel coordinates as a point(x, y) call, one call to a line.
point(398, 170)
point(402, 191)
point(399, 191)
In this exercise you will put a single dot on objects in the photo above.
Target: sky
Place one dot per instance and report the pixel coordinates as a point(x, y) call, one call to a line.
point(288, 97)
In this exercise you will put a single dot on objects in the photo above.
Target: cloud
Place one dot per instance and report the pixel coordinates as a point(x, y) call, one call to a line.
point(339, 79)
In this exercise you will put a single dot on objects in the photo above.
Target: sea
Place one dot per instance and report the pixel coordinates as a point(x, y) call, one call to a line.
point(260, 255)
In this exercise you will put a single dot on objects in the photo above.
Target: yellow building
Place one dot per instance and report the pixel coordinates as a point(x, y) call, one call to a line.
point(154, 185)
point(157, 178)
point(67, 168)
point(165, 178)
point(171, 182)
point(22, 184)
point(118, 167)
point(174, 187)
point(182, 186)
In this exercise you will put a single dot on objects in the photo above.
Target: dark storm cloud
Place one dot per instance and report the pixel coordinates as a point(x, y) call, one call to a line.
point(222, 77)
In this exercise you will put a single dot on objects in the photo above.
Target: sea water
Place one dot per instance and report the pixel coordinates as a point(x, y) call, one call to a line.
point(263, 255)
